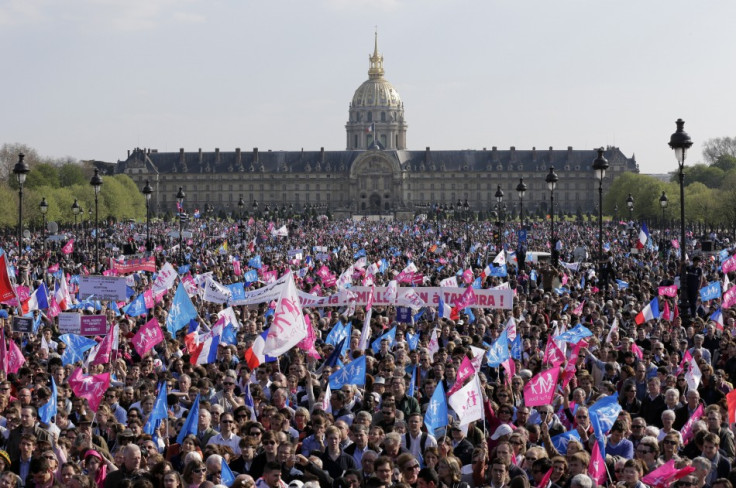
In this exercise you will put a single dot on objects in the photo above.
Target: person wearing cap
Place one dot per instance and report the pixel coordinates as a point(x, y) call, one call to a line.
point(96, 442)
point(461, 447)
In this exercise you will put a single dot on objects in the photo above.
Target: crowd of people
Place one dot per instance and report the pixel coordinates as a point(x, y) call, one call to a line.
point(278, 424)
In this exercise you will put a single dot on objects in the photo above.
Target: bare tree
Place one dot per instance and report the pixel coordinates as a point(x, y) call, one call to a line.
point(9, 157)
point(714, 148)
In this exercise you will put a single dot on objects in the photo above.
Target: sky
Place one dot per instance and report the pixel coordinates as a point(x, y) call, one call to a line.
point(92, 79)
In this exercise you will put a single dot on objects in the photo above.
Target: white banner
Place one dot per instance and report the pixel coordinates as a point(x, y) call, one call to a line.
point(215, 292)
point(102, 287)
point(70, 323)
point(288, 327)
point(467, 402)
point(164, 279)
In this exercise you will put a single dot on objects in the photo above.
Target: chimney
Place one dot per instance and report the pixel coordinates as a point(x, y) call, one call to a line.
point(322, 155)
point(181, 154)
point(217, 155)
point(426, 155)
point(200, 155)
point(128, 152)
point(569, 153)
point(255, 154)
point(534, 153)
point(237, 155)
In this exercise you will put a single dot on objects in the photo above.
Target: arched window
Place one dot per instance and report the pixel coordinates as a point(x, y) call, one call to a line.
point(383, 116)
point(370, 116)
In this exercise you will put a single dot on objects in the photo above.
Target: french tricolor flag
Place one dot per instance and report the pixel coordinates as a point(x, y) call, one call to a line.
point(204, 351)
point(643, 236)
point(650, 312)
point(717, 317)
point(255, 356)
point(444, 310)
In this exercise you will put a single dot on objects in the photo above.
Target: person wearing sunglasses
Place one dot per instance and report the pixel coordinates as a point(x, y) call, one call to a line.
point(195, 473)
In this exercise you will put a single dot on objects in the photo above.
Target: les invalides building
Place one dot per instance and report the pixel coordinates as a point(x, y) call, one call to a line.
point(376, 175)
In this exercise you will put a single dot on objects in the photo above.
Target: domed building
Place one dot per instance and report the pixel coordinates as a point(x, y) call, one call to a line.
point(376, 112)
point(375, 177)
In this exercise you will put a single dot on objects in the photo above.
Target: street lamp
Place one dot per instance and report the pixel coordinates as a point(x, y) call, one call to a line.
point(96, 183)
point(147, 192)
point(255, 208)
point(499, 221)
point(180, 204)
point(663, 202)
point(43, 207)
point(75, 210)
point(551, 181)
point(241, 205)
point(521, 190)
point(600, 165)
point(680, 142)
point(630, 204)
point(21, 170)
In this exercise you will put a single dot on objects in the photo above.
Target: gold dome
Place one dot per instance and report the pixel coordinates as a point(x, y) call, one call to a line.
point(376, 91)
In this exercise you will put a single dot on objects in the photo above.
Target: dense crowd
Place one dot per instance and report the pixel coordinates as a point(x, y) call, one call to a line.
point(277, 423)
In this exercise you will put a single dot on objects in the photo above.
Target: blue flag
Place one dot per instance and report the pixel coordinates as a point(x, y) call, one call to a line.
point(229, 335)
point(499, 271)
point(182, 311)
point(255, 262)
point(47, 411)
point(603, 414)
point(237, 290)
point(76, 345)
point(251, 276)
point(331, 360)
point(184, 269)
point(533, 275)
point(516, 348)
point(471, 316)
point(560, 441)
point(137, 307)
point(350, 374)
point(574, 335)
point(42, 297)
point(499, 351)
point(412, 340)
point(226, 475)
point(476, 284)
point(336, 334)
point(390, 335)
point(436, 415)
point(191, 423)
point(413, 383)
point(160, 411)
point(359, 254)
point(711, 292)
point(622, 285)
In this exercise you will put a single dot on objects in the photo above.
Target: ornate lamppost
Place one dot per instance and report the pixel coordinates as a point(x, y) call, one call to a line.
point(147, 192)
point(96, 183)
point(20, 170)
point(180, 195)
point(663, 202)
point(43, 207)
point(630, 204)
point(600, 165)
point(551, 179)
point(680, 142)
point(75, 210)
point(521, 190)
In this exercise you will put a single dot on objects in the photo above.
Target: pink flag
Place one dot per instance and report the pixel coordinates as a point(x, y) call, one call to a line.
point(468, 276)
point(54, 268)
point(103, 350)
point(90, 387)
point(687, 429)
point(307, 344)
point(468, 298)
point(675, 243)
point(54, 309)
point(3, 351)
point(637, 350)
point(729, 264)
point(545, 479)
point(686, 358)
point(68, 247)
point(148, 299)
point(270, 276)
point(510, 367)
point(465, 371)
point(541, 388)
point(569, 372)
point(147, 337)
point(597, 466)
point(668, 291)
point(579, 309)
point(236, 267)
point(564, 279)
point(15, 358)
point(6, 287)
point(665, 475)
point(666, 313)
point(729, 298)
point(552, 353)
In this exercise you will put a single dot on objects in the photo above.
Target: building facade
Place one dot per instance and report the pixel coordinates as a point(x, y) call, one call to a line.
point(375, 175)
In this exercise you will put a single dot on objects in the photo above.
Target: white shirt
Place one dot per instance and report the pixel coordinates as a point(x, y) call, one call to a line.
point(416, 444)
point(232, 442)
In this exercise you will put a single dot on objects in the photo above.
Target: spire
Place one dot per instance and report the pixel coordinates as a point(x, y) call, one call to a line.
point(376, 69)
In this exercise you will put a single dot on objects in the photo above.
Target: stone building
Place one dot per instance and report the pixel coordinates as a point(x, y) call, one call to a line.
point(375, 175)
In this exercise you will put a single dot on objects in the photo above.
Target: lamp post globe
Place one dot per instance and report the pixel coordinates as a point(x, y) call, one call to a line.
point(663, 202)
point(43, 207)
point(630, 204)
point(75, 210)
point(241, 206)
point(96, 183)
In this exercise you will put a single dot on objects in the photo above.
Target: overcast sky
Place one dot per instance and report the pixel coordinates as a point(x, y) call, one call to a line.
point(93, 78)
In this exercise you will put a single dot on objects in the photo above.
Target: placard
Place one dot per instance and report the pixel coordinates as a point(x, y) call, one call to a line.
point(92, 325)
point(70, 323)
point(103, 287)
point(23, 324)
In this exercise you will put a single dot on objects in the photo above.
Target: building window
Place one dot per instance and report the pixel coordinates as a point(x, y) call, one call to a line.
point(370, 116)
point(355, 142)
point(383, 116)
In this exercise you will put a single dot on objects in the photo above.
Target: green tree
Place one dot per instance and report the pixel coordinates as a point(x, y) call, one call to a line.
point(43, 174)
point(710, 176)
point(72, 174)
